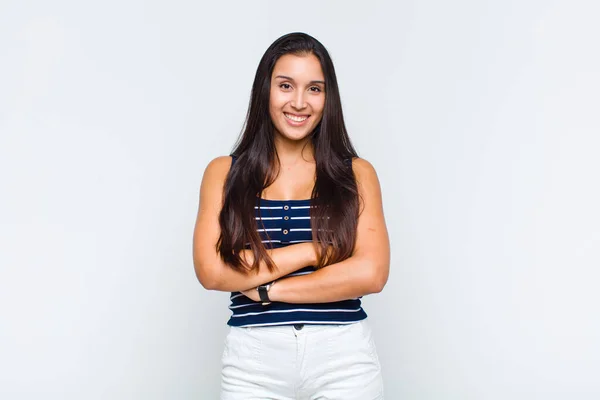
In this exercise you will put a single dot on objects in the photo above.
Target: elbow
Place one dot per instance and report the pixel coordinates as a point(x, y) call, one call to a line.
point(205, 276)
point(208, 284)
point(378, 278)
point(378, 286)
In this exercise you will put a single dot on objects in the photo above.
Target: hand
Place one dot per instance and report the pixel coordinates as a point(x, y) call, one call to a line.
point(252, 294)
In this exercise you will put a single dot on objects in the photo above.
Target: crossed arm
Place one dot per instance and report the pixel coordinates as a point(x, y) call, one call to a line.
point(365, 272)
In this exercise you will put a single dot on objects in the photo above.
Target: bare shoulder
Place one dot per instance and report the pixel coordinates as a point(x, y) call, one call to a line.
point(367, 182)
point(216, 171)
point(219, 165)
point(213, 181)
point(364, 170)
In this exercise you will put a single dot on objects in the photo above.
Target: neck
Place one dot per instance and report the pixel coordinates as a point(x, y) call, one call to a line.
point(292, 152)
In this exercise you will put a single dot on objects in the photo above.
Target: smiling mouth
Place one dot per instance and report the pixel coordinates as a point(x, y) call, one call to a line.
point(296, 118)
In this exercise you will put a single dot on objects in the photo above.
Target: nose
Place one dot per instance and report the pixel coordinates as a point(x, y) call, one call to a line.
point(298, 100)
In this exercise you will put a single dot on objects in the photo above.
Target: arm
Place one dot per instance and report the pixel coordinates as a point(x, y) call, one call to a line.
point(212, 272)
point(365, 272)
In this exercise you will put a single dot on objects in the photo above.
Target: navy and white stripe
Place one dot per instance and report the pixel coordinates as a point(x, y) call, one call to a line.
point(287, 222)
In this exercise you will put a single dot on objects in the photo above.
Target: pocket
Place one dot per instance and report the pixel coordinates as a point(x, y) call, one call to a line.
point(374, 354)
point(242, 344)
point(367, 334)
point(225, 349)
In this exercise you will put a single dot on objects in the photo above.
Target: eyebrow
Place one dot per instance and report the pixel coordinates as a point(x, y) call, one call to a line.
point(292, 79)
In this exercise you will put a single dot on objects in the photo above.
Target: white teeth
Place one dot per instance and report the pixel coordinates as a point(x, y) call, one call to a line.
point(294, 118)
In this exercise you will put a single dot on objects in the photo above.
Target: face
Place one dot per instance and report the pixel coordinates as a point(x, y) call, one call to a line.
point(297, 96)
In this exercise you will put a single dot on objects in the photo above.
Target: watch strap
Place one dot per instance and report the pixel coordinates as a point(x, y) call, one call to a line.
point(263, 293)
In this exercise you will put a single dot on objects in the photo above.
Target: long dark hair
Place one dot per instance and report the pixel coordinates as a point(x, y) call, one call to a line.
point(334, 199)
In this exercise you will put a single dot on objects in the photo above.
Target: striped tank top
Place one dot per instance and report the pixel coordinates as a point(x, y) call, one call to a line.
point(288, 222)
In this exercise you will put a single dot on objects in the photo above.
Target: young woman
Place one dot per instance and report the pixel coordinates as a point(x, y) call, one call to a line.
point(292, 225)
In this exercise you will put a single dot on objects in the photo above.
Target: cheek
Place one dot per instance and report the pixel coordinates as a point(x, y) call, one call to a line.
point(272, 106)
point(319, 107)
point(276, 103)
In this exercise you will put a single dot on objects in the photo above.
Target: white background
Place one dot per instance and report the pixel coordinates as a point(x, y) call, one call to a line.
point(481, 118)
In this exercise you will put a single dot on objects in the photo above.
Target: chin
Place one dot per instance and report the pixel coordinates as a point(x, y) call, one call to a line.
point(294, 136)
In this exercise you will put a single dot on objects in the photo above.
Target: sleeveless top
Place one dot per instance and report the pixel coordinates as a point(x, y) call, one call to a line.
point(288, 222)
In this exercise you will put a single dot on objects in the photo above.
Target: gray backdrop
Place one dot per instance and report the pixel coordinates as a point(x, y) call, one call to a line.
point(480, 116)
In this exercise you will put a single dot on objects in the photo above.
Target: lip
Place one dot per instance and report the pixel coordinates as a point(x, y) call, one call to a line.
point(294, 123)
point(297, 115)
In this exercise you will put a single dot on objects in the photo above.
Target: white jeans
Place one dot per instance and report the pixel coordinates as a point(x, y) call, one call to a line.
point(324, 362)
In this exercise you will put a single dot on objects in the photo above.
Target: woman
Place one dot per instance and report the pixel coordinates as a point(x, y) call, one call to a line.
point(292, 225)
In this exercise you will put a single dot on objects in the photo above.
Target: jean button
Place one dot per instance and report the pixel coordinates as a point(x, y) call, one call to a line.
point(298, 326)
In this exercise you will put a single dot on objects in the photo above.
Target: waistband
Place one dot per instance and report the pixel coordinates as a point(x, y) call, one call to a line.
point(294, 328)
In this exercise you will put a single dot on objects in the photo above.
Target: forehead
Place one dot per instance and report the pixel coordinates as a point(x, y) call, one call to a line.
point(300, 68)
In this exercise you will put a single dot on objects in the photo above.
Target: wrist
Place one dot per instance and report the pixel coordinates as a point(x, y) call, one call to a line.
point(313, 256)
point(274, 293)
point(264, 293)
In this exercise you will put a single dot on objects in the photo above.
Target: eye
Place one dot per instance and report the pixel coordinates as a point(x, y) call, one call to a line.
point(285, 86)
point(315, 87)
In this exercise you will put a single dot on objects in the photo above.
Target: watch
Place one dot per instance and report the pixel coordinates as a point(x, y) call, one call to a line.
point(263, 292)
